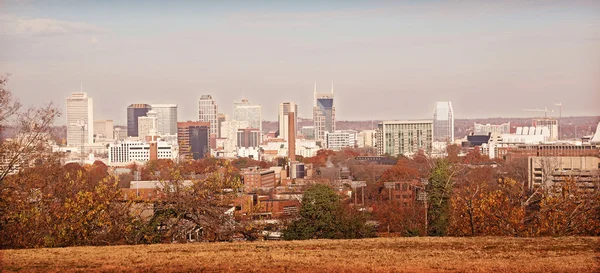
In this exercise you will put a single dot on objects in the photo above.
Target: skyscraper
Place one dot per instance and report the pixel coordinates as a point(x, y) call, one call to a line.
point(135, 111)
point(252, 113)
point(167, 118)
point(148, 125)
point(443, 122)
point(80, 119)
point(404, 137)
point(284, 109)
point(323, 113)
point(193, 139)
point(208, 112)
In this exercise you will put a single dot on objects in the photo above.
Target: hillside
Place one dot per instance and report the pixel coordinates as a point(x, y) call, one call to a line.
point(570, 126)
point(422, 254)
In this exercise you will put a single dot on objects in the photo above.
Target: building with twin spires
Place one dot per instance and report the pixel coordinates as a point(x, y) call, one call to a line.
point(323, 113)
point(443, 122)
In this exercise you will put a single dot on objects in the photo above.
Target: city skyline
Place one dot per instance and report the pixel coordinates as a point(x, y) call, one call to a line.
point(271, 53)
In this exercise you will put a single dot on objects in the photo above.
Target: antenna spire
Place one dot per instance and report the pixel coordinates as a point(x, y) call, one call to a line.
point(315, 95)
point(331, 87)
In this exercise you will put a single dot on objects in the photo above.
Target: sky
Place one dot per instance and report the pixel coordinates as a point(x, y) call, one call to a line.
point(386, 59)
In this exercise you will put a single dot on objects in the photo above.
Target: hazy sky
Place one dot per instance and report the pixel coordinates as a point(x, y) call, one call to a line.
point(387, 59)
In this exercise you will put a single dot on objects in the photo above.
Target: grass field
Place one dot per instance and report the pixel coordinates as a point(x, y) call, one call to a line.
point(481, 254)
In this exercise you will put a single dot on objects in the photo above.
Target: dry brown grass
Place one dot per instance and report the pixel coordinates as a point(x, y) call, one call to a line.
point(481, 254)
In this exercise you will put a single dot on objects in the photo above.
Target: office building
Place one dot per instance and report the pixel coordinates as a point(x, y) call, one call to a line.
point(80, 119)
point(208, 111)
point(220, 119)
point(119, 133)
point(404, 137)
point(367, 138)
point(443, 122)
point(167, 118)
point(134, 111)
point(193, 139)
point(284, 109)
point(340, 139)
point(486, 129)
point(148, 125)
point(252, 113)
point(124, 152)
point(104, 129)
point(248, 137)
point(229, 131)
point(308, 132)
point(323, 113)
point(552, 125)
point(548, 171)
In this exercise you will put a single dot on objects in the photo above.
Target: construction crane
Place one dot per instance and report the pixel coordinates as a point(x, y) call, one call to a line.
point(545, 110)
point(81, 123)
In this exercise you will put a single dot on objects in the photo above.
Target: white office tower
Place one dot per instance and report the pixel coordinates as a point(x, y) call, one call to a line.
point(339, 139)
point(252, 113)
point(443, 122)
point(208, 111)
point(104, 129)
point(284, 109)
point(80, 119)
point(229, 131)
point(167, 118)
point(148, 125)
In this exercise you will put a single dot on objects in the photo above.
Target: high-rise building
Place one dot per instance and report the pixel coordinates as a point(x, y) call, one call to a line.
point(80, 119)
point(284, 109)
point(208, 111)
point(167, 118)
point(220, 119)
point(104, 128)
point(193, 139)
point(229, 131)
point(248, 138)
point(135, 111)
point(551, 123)
point(252, 113)
point(323, 113)
point(340, 139)
point(308, 132)
point(148, 125)
point(404, 137)
point(443, 122)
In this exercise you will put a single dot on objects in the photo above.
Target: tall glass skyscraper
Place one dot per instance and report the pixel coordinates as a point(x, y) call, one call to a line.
point(167, 118)
point(323, 113)
point(134, 111)
point(252, 113)
point(443, 122)
point(208, 112)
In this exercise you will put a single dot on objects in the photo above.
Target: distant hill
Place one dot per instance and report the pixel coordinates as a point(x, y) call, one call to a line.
point(570, 127)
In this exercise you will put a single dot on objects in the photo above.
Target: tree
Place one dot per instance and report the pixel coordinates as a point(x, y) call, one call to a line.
point(29, 132)
point(199, 204)
point(439, 191)
point(322, 216)
point(50, 205)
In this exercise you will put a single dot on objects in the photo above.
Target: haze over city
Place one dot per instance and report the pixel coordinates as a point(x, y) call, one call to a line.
point(387, 60)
